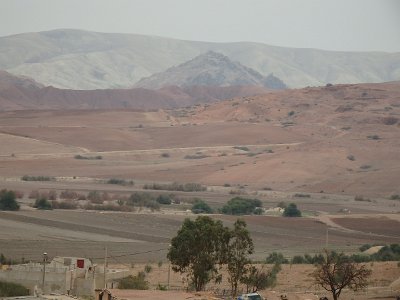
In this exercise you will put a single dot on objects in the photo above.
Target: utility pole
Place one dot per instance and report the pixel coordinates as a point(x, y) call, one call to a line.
point(44, 270)
point(327, 238)
point(105, 268)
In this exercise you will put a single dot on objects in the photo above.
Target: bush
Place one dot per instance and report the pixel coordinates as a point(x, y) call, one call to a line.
point(291, 113)
point(165, 155)
point(63, 205)
point(373, 137)
point(241, 206)
point(9, 289)
point(42, 203)
point(351, 157)
point(137, 282)
point(7, 200)
point(243, 148)
point(143, 200)
point(164, 199)
point(292, 211)
point(276, 258)
point(187, 187)
point(120, 181)
point(395, 197)
point(37, 178)
point(200, 207)
point(196, 156)
point(88, 157)
point(298, 195)
point(364, 247)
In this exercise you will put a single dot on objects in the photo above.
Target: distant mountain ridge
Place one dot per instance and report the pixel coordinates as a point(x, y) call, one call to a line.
point(23, 93)
point(77, 59)
point(210, 69)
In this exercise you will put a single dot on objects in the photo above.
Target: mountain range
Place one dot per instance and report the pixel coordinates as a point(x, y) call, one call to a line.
point(76, 59)
point(23, 93)
point(210, 69)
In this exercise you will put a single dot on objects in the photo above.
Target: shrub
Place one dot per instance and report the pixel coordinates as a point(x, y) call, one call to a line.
point(200, 207)
point(365, 167)
point(373, 137)
point(9, 289)
point(351, 157)
point(69, 195)
point(241, 206)
point(137, 282)
point(143, 200)
point(292, 211)
point(361, 198)
point(276, 258)
point(148, 268)
point(7, 200)
point(37, 178)
point(291, 113)
point(165, 154)
point(88, 157)
point(196, 156)
point(120, 181)
point(164, 199)
point(395, 197)
point(364, 247)
point(95, 197)
point(187, 187)
point(298, 259)
point(42, 203)
point(243, 148)
point(298, 195)
point(63, 205)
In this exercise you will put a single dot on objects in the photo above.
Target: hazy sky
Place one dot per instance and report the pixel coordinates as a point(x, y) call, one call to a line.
point(356, 25)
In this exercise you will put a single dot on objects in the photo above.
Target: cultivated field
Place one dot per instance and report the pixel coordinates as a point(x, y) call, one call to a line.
point(337, 144)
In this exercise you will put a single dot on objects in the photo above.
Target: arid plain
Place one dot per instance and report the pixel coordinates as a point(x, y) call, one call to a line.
point(316, 147)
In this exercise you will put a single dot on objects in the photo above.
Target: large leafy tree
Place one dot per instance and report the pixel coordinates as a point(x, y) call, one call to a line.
point(7, 200)
point(337, 272)
point(198, 249)
point(240, 246)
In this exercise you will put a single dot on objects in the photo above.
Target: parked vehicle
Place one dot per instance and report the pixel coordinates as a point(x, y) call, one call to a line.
point(251, 296)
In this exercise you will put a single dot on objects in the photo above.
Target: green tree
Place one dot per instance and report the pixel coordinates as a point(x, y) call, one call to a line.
point(200, 207)
point(337, 271)
point(8, 200)
point(239, 248)
point(241, 206)
point(292, 211)
point(42, 203)
point(197, 249)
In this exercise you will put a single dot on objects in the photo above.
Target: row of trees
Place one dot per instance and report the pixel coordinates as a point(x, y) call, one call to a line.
point(203, 246)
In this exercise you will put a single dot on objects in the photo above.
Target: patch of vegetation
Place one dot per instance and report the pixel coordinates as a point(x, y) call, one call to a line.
point(107, 207)
point(373, 137)
point(365, 167)
point(241, 206)
point(42, 203)
point(390, 120)
point(201, 207)
point(8, 200)
point(165, 154)
point(395, 197)
point(361, 198)
point(37, 178)
point(269, 151)
point(64, 205)
point(243, 148)
point(165, 199)
point(120, 181)
point(292, 211)
point(143, 200)
point(187, 187)
point(196, 156)
point(9, 289)
point(97, 157)
point(276, 258)
point(299, 195)
point(351, 157)
point(291, 113)
point(137, 282)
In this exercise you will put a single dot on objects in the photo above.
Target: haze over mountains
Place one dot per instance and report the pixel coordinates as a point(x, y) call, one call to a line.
point(76, 59)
